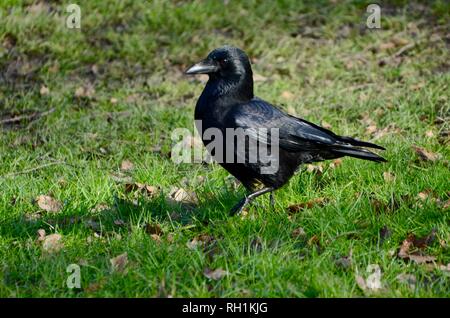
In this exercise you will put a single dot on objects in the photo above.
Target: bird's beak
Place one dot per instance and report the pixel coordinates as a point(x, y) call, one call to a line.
point(203, 67)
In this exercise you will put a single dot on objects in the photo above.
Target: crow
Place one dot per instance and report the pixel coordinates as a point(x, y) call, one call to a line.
point(227, 102)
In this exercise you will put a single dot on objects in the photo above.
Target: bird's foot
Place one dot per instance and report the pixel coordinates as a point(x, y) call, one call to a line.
point(238, 208)
point(272, 200)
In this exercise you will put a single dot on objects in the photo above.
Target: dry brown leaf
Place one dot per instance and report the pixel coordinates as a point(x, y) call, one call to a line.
point(156, 238)
point(143, 188)
point(388, 177)
point(52, 243)
point(119, 263)
point(49, 204)
point(287, 95)
point(298, 233)
point(193, 244)
point(371, 129)
point(326, 125)
point(446, 205)
point(422, 259)
point(294, 208)
point(318, 169)
point(126, 165)
point(153, 228)
point(200, 241)
point(100, 208)
point(41, 235)
point(113, 100)
point(216, 274)
point(373, 281)
point(335, 163)
point(429, 133)
point(85, 92)
point(387, 46)
point(412, 242)
point(426, 155)
point(424, 194)
point(44, 90)
point(179, 195)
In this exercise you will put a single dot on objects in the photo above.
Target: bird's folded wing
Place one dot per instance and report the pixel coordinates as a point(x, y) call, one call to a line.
point(258, 118)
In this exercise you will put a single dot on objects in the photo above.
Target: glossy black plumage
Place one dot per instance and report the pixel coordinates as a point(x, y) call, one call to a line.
point(228, 102)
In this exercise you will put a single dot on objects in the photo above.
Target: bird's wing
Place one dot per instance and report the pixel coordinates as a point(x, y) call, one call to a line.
point(294, 133)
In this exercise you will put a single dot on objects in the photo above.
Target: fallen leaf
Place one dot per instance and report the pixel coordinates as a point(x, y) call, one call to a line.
point(388, 177)
point(126, 165)
point(119, 263)
point(429, 133)
point(153, 228)
point(193, 244)
point(421, 259)
point(215, 274)
point(445, 268)
point(318, 169)
point(371, 129)
point(446, 205)
point(426, 155)
point(113, 100)
point(412, 242)
point(52, 243)
point(100, 208)
point(143, 188)
point(314, 240)
point(424, 194)
point(386, 46)
point(201, 240)
point(84, 92)
point(306, 205)
point(373, 281)
point(298, 233)
point(326, 125)
point(179, 195)
point(41, 235)
point(335, 163)
point(44, 90)
point(49, 204)
point(156, 238)
point(287, 95)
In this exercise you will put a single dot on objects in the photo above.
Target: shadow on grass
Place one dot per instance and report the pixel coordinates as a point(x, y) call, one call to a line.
point(121, 215)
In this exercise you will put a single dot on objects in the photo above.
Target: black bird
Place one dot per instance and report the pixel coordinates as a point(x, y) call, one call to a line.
point(228, 102)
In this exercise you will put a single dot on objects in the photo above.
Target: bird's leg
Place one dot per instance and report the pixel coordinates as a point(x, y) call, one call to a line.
point(272, 200)
point(237, 209)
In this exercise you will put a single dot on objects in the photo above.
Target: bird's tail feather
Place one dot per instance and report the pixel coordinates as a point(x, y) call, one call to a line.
point(358, 153)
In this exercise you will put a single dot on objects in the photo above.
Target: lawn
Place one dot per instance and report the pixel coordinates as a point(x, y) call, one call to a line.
point(86, 176)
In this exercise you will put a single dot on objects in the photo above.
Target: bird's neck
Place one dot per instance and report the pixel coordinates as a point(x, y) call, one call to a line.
point(237, 89)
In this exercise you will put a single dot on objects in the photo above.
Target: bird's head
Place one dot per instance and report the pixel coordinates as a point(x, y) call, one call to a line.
point(226, 62)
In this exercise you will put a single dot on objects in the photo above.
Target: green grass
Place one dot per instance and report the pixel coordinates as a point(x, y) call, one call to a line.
point(318, 51)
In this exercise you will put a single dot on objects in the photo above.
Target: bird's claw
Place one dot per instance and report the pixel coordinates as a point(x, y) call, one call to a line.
point(238, 208)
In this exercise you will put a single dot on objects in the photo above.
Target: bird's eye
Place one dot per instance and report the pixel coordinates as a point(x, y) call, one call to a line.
point(223, 61)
